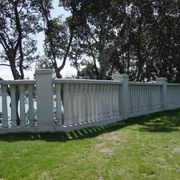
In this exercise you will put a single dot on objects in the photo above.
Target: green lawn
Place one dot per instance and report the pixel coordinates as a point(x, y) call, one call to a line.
point(147, 147)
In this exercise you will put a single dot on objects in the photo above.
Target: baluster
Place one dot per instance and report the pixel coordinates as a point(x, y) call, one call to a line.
point(4, 107)
point(100, 100)
point(67, 105)
point(139, 99)
point(149, 97)
point(22, 106)
point(103, 102)
point(136, 95)
point(117, 99)
point(94, 103)
point(154, 93)
point(144, 98)
point(133, 99)
point(110, 87)
point(130, 98)
point(106, 102)
point(80, 102)
point(76, 103)
point(113, 100)
point(13, 107)
point(89, 99)
point(58, 105)
point(72, 96)
point(85, 102)
point(31, 106)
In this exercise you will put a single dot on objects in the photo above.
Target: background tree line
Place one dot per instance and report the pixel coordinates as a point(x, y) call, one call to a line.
point(138, 37)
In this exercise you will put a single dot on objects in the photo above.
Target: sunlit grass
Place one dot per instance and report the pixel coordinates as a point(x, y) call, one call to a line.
point(146, 147)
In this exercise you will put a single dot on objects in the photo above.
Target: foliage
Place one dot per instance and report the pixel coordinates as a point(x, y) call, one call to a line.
point(19, 21)
point(140, 38)
point(147, 147)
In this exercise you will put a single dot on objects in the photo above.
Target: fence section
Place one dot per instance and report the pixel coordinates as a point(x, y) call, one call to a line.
point(173, 96)
point(17, 105)
point(86, 101)
point(65, 105)
point(145, 98)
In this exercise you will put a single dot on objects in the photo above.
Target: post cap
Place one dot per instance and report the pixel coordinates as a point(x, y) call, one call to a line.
point(43, 71)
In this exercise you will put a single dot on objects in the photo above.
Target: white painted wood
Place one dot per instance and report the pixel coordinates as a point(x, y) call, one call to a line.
point(85, 102)
point(96, 91)
point(163, 82)
point(58, 105)
point(13, 106)
point(22, 106)
point(67, 105)
point(99, 93)
point(76, 96)
point(94, 103)
point(4, 106)
point(31, 106)
point(89, 99)
point(44, 90)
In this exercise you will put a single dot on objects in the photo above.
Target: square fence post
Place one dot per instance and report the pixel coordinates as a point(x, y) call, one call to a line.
point(124, 94)
point(163, 82)
point(44, 92)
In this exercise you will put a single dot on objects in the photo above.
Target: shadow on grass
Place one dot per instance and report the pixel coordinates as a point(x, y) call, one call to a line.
point(159, 122)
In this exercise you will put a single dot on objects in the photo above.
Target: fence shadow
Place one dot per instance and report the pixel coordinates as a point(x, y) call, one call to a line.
point(159, 122)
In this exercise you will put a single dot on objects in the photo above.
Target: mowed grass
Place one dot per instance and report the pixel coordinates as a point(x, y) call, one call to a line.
point(146, 147)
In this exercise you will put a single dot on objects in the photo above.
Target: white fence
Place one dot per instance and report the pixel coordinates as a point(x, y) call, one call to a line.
point(47, 104)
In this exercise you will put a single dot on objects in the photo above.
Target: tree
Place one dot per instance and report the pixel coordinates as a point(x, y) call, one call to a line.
point(140, 38)
point(19, 21)
point(58, 39)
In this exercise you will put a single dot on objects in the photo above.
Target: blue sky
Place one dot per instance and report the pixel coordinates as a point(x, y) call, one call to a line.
point(5, 72)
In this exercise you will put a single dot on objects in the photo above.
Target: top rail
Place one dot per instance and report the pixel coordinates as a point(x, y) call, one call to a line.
point(85, 81)
point(144, 83)
point(18, 82)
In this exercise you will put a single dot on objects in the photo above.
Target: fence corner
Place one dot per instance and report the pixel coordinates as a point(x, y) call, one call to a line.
point(163, 82)
point(124, 94)
point(44, 92)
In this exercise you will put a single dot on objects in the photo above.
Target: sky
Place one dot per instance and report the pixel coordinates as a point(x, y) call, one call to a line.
point(68, 71)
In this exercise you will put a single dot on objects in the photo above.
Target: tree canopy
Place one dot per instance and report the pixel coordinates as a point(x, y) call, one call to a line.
point(138, 37)
point(19, 21)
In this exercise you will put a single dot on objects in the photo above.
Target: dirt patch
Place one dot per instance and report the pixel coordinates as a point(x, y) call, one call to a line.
point(176, 149)
point(108, 151)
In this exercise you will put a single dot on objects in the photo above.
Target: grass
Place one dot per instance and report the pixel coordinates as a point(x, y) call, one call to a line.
point(146, 147)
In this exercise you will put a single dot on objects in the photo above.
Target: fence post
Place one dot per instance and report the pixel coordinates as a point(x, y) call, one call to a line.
point(124, 94)
point(163, 82)
point(44, 92)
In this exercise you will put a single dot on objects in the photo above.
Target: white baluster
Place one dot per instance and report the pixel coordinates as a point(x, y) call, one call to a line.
point(138, 98)
point(85, 102)
point(99, 98)
point(106, 102)
point(72, 97)
point(89, 99)
point(117, 100)
point(67, 105)
point(13, 106)
point(76, 103)
point(109, 99)
point(93, 102)
point(31, 106)
point(58, 105)
point(130, 98)
point(4, 107)
point(22, 107)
